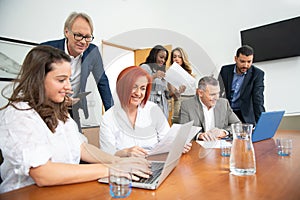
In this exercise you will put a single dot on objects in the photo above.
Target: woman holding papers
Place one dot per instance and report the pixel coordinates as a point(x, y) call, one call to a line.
point(179, 56)
point(155, 65)
point(134, 125)
point(39, 141)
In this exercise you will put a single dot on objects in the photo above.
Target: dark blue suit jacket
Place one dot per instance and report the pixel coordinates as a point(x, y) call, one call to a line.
point(252, 91)
point(91, 62)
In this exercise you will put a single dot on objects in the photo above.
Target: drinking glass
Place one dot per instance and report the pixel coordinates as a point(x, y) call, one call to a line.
point(120, 181)
point(284, 146)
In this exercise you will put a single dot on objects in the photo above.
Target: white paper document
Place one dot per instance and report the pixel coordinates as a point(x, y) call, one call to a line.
point(214, 144)
point(165, 144)
point(177, 76)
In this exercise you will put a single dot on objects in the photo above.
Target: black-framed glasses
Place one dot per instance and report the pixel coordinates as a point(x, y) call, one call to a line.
point(79, 37)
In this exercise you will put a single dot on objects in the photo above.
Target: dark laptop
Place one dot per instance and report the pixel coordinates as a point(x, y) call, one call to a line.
point(267, 125)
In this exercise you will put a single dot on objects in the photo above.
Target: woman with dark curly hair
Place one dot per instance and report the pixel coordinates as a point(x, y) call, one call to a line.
point(155, 65)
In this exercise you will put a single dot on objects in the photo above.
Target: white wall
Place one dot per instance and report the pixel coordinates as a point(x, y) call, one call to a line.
point(214, 25)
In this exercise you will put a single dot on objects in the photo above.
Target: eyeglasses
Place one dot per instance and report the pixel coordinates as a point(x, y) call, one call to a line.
point(79, 37)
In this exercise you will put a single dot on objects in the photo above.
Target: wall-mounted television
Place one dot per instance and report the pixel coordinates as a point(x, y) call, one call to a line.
point(274, 41)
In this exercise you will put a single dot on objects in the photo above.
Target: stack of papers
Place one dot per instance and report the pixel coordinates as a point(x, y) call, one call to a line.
point(214, 144)
point(166, 143)
point(177, 76)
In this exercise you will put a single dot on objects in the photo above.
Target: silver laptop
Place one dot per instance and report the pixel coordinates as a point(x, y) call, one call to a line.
point(160, 170)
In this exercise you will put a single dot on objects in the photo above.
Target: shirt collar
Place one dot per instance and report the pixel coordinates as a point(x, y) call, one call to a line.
point(234, 71)
point(67, 51)
point(204, 106)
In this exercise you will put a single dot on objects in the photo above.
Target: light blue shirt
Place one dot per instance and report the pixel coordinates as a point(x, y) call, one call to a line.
point(237, 82)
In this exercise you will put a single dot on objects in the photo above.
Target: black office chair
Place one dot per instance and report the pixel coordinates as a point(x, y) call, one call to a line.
point(1, 158)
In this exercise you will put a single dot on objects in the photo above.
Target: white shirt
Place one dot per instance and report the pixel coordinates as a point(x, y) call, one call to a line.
point(209, 116)
point(26, 142)
point(76, 71)
point(117, 133)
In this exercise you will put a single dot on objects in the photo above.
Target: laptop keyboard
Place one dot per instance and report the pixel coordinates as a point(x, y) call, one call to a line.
point(156, 168)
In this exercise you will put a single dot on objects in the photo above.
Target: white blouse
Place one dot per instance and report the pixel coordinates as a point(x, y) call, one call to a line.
point(117, 133)
point(26, 141)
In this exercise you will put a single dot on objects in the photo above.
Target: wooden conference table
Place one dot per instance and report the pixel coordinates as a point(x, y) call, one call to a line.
point(201, 174)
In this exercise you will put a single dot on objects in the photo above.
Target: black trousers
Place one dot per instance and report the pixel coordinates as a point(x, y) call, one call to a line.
point(74, 113)
point(239, 115)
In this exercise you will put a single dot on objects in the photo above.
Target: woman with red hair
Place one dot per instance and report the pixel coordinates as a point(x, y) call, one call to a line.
point(134, 125)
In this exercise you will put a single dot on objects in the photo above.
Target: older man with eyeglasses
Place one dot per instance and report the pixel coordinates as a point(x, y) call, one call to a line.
point(86, 58)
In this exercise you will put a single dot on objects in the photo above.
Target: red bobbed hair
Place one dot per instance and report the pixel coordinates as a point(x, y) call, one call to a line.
point(125, 82)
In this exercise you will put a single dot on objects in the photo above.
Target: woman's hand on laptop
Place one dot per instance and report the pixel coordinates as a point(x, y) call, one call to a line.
point(136, 151)
point(140, 167)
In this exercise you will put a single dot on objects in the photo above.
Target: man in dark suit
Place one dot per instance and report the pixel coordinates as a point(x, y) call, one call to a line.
point(86, 59)
point(243, 85)
point(208, 111)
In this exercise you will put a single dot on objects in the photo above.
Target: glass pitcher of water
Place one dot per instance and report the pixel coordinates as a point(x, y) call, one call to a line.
point(242, 157)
